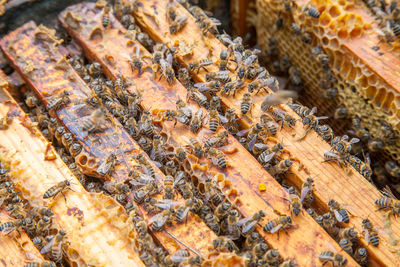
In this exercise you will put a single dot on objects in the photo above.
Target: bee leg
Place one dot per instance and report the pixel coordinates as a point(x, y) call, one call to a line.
point(65, 199)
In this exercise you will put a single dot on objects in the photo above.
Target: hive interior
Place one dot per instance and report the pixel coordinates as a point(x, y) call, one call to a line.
point(197, 181)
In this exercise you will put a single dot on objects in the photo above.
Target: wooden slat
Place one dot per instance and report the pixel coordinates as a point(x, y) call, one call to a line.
point(305, 242)
point(48, 81)
point(17, 250)
point(239, 9)
point(97, 235)
point(330, 180)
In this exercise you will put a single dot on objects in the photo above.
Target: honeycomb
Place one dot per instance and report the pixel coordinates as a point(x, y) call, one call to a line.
point(363, 92)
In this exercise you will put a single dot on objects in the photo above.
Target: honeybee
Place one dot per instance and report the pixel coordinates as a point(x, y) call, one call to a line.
point(311, 11)
point(196, 95)
point(283, 166)
point(225, 244)
point(221, 76)
point(195, 147)
point(57, 102)
point(202, 64)
point(169, 191)
point(233, 45)
point(184, 77)
point(340, 213)
point(146, 166)
point(105, 17)
point(331, 156)
point(259, 83)
point(361, 256)
point(311, 121)
point(284, 117)
point(58, 189)
point(146, 124)
point(272, 257)
point(55, 246)
point(233, 86)
point(248, 224)
point(295, 202)
point(212, 222)
point(335, 258)
point(211, 87)
point(171, 11)
point(346, 245)
point(223, 60)
point(232, 121)
point(8, 227)
point(307, 189)
point(212, 192)
point(136, 60)
point(326, 132)
point(107, 165)
point(41, 264)
point(288, 263)
point(217, 157)
point(208, 24)
point(222, 210)
point(282, 222)
point(246, 104)
point(177, 25)
point(388, 201)
point(214, 120)
point(217, 140)
point(341, 113)
point(93, 122)
point(342, 145)
point(370, 235)
point(167, 70)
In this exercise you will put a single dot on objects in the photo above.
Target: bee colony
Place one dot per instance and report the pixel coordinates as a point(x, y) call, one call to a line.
point(137, 134)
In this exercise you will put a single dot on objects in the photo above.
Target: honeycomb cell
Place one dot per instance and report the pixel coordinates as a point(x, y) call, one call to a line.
point(342, 2)
point(372, 80)
point(356, 32)
point(371, 92)
point(343, 33)
point(334, 43)
point(325, 41)
point(334, 11)
point(380, 97)
point(325, 19)
point(388, 100)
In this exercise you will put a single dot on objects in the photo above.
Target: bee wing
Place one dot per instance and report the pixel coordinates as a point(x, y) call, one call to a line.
point(215, 21)
point(238, 57)
point(163, 204)
point(338, 216)
point(157, 217)
point(261, 146)
point(199, 113)
point(304, 192)
point(223, 72)
point(178, 259)
point(269, 157)
point(354, 140)
point(185, 212)
point(253, 142)
point(158, 164)
point(169, 59)
point(7, 230)
point(250, 225)
point(332, 154)
point(137, 50)
point(262, 75)
point(366, 236)
point(178, 178)
point(248, 61)
point(222, 118)
point(387, 192)
point(136, 183)
point(103, 168)
point(330, 246)
point(48, 246)
point(153, 153)
point(243, 221)
point(322, 118)
point(276, 228)
point(227, 40)
point(313, 110)
point(126, 56)
point(242, 132)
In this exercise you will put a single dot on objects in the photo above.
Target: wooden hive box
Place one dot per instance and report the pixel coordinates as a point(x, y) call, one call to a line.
point(41, 60)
